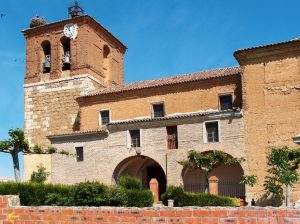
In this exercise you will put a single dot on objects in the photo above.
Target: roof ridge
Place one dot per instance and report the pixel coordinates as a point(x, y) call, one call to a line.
point(176, 79)
point(184, 74)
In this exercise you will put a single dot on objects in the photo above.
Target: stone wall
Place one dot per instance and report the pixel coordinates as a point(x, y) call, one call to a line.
point(10, 213)
point(103, 153)
point(271, 97)
point(50, 107)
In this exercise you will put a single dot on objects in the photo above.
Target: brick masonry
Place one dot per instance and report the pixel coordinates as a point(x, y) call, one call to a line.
point(10, 214)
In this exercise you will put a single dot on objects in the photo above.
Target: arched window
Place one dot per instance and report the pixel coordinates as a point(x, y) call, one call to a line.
point(46, 46)
point(66, 57)
point(106, 51)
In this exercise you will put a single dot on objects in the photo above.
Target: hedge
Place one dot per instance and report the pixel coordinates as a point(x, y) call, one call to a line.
point(82, 194)
point(182, 198)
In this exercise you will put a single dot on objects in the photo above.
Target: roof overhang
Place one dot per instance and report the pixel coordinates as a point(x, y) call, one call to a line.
point(251, 55)
point(96, 132)
point(210, 114)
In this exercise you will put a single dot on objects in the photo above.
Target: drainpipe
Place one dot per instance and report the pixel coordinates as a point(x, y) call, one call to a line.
point(166, 169)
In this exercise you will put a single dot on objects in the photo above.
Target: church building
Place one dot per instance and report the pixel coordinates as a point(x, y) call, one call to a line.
point(76, 100)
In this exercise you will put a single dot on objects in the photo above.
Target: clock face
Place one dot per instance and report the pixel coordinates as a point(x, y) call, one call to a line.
point(71, 31)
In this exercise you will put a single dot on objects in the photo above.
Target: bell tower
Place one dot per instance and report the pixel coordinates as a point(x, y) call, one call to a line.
point(66, 59)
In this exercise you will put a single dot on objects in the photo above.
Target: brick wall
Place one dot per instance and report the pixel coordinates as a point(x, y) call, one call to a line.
point(192, 97)
point(110, 215)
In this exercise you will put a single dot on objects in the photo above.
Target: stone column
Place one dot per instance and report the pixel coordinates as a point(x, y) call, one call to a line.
point(213, 182)
point(154, 188)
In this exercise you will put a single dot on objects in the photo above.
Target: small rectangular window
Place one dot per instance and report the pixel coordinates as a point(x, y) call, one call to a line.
point(172, 137)
point(135, 136)
point(104, 117)
point(158, 110)
point(212, 131)
point(79, 154)
point(225, 102)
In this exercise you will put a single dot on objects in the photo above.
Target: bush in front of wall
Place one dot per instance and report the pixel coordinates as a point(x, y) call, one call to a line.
point(37, 149)
point(90, 194)
point(138, 198)
point(39, 176)
point(81, 194)
point(32, 194)
point(182, 198)
point(130, 183)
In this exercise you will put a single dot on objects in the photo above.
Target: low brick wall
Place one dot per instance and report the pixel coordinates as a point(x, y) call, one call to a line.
point(12, 214)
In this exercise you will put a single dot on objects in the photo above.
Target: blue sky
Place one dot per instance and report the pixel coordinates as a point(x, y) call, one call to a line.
point(163, 37)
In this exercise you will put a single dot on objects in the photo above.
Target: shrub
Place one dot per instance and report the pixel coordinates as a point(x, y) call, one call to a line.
point(117, 197)
point(91, 194)
point(59, 199)
point(130, 183)
point(37, 149)
point(182, 198)
point(51, 150)
point(82, 194)
point(138, 198)
point(39, 176)
point(32, 194)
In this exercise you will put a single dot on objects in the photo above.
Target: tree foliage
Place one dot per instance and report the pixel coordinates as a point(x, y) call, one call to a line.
point(13, 145)
point(39, 176)
point(208, 161)
point(283, 164)
point(250, 180)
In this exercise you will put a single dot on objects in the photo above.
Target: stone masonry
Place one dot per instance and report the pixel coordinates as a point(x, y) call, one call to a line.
point(265, 113)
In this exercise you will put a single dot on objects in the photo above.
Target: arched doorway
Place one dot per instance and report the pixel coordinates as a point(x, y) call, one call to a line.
point(228, 179)
point(143, 168)
point(193, 180)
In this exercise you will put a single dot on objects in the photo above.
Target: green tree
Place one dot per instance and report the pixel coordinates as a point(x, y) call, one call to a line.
point(208, 161)
point(39, 176)
point(15, 144)
point(250, 180)
point(283, 164)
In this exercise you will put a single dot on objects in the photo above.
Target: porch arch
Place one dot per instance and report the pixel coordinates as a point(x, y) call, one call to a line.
point(143, 168)
point(228, 178)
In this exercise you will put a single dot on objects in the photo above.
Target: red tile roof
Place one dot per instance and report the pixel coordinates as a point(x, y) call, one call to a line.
point(295, 40)
point(78, 133)
point(269, 49)
point(227, 113)
point(215, 73)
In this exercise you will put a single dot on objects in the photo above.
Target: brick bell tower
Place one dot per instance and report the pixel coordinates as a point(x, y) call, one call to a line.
point(66, 59)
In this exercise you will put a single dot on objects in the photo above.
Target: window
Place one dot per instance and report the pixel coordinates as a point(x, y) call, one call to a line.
point(172, 137)
point(158, 110)
point(79, 154)
point(225, 102)
point(46, 46)
point(66, 46)
point(135, 138)
point(212, 131)
point(104, 114)
point(106, 51)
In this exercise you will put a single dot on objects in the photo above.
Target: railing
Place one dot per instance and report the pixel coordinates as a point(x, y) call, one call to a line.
point(226, 188)
point(195, 188)
point(232, 189)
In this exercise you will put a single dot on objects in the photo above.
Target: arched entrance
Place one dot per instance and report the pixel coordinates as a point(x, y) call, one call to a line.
point(143, 168)
point(225, 178)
